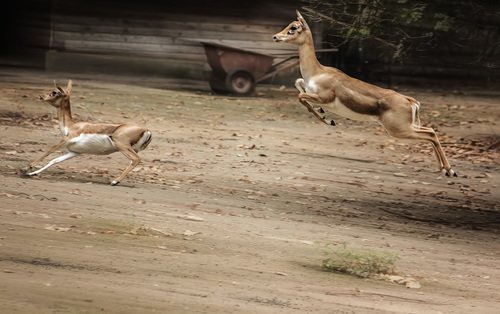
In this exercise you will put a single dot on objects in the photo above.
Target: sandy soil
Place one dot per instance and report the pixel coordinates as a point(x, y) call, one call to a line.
point(238, 201)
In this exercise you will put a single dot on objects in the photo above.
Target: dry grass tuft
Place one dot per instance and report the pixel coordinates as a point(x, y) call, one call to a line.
point(360, 262)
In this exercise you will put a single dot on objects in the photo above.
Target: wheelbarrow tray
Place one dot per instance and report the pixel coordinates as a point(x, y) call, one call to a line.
point(237, 70)
point(225, 60)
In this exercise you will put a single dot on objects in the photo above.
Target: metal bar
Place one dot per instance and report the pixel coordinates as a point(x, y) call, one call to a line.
point(272, 73)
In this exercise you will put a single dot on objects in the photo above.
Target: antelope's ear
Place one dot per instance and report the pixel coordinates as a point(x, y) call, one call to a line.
point(69, 87)
point(61, 90)
point(301, 19)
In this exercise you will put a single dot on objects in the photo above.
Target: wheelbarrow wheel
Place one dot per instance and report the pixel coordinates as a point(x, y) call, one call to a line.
point(240, 82)
point(218, 85)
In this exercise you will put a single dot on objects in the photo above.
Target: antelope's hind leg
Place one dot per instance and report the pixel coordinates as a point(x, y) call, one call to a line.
point(399, 129)
point(130, 153)
point(430, 135)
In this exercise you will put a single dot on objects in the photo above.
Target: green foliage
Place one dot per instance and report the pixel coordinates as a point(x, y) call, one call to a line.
point(443, 22)
point(413, 14)
point(397, 29)
point(361, 263)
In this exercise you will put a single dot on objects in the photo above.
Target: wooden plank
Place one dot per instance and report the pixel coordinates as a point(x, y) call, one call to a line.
point(246, 13)
point(171, 22)
point(153, 43)
point(123, 46)
point(172, 33)
point(190, 52)
point(65, 61)
point(114, 38)
point(61, 37)
point(127, 49)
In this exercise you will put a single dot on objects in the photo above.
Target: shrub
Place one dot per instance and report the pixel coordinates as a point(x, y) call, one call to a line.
point(360, 262)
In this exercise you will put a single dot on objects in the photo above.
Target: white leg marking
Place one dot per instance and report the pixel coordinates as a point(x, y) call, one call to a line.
point(53, 162)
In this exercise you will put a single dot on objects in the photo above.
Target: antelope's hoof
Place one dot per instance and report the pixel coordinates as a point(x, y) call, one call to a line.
point(26, 172)
point(320, 110)
point(450, 172)
point(332, 123)
point(114, 182)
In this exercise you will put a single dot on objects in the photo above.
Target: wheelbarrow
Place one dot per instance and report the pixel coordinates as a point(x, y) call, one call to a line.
point(237, 71)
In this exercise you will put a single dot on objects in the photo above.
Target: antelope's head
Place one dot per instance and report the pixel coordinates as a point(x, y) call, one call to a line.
point(294, 33)
point(58, 94)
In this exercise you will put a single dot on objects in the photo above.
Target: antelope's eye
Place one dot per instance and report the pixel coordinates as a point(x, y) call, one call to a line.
point(293, 28)
point(54, 93)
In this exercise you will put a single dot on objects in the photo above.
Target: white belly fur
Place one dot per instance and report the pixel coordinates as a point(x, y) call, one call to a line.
point(96, 144)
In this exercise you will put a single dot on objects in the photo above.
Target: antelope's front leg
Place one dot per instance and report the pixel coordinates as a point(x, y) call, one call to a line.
point(48, 152)
point(53, 162)
point(304, 99)
point(314, 98)
point(300, 85)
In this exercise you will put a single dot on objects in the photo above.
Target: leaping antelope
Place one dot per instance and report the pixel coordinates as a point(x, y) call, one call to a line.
point(92, 138)
point(355, 99)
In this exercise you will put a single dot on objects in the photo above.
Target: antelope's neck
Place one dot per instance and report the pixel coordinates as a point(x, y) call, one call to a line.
point(64, 116)
point(309, 64)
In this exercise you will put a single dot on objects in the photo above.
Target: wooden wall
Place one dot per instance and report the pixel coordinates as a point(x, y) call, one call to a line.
point(155, 37)
point(24, 32)
point(159, 37)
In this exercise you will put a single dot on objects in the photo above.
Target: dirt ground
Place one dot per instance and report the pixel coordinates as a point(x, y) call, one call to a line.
point(238, 201)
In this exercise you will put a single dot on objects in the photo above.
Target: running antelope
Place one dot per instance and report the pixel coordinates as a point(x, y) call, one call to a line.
point(92, 138)
point(352, 98)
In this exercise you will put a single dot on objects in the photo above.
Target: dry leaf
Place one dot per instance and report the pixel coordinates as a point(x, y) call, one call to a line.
point(191, 217)
point(190, 233)
point(56, 228)
point(400, 174)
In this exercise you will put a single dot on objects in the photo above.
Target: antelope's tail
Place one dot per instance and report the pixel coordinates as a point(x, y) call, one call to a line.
point(146, 138)
point(415, 108)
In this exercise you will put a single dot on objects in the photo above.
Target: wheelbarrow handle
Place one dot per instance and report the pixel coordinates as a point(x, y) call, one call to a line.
point(278, 68)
